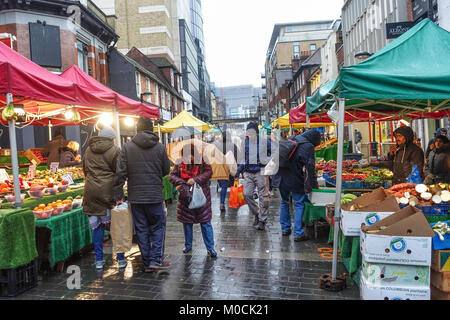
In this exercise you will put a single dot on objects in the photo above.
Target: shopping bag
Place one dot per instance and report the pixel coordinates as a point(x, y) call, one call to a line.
point(236, 196)
point(270, 169)
point(121, 228)
point(198, 197)
point(415, 176)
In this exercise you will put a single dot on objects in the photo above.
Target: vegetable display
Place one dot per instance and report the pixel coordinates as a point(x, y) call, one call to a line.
point(421, 194)
point(441, 228)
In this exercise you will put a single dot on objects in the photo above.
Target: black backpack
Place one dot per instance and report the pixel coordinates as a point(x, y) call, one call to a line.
point(287, 149)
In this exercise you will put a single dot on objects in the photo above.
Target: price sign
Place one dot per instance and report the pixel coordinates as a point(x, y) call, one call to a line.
point(31, 172)
point(3, 175)
point(68, 178)
point(54, 166)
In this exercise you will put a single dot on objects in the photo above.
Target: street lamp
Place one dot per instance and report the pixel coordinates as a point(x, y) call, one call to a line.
point(145, 94)
point(259, 108)
point(363, 55)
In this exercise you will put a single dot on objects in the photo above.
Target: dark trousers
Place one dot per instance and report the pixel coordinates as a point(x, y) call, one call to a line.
point(150, 224)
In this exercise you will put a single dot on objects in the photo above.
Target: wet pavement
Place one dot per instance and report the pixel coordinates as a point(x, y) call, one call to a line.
point(251, 265)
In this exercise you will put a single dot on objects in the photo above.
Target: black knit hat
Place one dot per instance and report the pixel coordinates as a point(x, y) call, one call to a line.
point(254, 126)
point(144, 124)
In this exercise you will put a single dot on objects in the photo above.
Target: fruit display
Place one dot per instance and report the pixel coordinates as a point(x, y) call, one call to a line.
point(55, 208)
point(38, 154)
point(8, 185)
point(421, 194)
point(441, 228)
point(77, 173)
point(346, 198)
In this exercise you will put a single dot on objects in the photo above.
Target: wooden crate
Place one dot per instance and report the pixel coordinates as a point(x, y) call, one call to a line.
point(31, 156)
point(437, 294)
point(440, 260)
point(441, 280)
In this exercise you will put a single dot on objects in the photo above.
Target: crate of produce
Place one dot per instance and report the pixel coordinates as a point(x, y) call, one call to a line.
point(443, 241)
point(353, 156)
point(387, 184)
point(370, 185)
point(351, 184)
point(17, 280)
point(38, 153)
point(32, 157)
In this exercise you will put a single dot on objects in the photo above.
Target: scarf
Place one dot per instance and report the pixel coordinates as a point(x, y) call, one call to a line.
point(188, 174)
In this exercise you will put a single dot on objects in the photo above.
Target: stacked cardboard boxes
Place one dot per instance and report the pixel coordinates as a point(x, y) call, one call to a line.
point(440, 275)
point(369, 209)
point(396, 254)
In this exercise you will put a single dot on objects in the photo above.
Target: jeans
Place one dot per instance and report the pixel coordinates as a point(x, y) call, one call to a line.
point(285, 214)
point(97, 237)
point(223, 190)
point(150, 224)
point(207, 233)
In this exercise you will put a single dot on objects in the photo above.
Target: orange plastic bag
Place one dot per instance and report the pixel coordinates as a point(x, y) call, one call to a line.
point(236, 196)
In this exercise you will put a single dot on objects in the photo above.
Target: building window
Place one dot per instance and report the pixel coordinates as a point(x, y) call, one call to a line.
point(163, 98)
point(138, 84)
point(312, 47)
point(82, 53)
point(149, 96)
point(296, 49)
point(169, 100)
point(157, 94)
point(172, 81)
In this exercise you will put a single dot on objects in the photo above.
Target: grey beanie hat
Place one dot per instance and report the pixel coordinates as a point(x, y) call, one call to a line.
point(107, 132)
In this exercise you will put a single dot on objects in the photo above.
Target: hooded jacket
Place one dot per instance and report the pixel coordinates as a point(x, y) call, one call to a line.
point(408, 154)
point(143, 162)
point(52, 148)
point(436, 134)
point(438, 164)
point(67, 158)
point(300, 176)
point(99, 167)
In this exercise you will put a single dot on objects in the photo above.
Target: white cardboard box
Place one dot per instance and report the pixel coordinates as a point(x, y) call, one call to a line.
point(351, 221)
point(373, 291)
point(395, 274)
point(396, 249)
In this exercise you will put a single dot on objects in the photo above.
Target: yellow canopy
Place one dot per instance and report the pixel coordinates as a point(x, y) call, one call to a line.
point(283, 123)
point(184, 118)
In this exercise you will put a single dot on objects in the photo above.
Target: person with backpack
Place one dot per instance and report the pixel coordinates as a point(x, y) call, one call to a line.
point(255, 157)
point(297, 174)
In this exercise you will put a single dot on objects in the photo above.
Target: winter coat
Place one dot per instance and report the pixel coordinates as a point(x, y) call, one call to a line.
point(99, 167)
point(144, 162)
point(300, 176)
point(402, 161)
point(255, 158)
point(67, 158)
point(436, 134)
point(184, 214)
point(52, 148)
point(438, 164)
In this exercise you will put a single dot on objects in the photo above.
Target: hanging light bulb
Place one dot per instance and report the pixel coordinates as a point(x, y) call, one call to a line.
point(106, 119)
point(69, 114)
point(129, 122)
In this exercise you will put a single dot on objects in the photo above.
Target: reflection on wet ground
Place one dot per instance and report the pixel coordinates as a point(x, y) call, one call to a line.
point(251, 265)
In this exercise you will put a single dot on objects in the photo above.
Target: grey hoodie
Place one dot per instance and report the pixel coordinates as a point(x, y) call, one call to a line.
point(143, 162)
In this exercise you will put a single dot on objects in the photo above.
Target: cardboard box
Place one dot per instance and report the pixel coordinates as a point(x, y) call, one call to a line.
point(441, 280)
point(440, 260)
point(402, 238)
point(437, 294)
point(373, 291)
point(370, 214)
point(395, 274)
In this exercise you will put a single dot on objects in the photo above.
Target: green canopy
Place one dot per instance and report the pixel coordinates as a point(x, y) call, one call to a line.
point(411, 74)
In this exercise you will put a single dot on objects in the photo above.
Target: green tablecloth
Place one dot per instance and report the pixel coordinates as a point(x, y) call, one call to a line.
point(30, 203)
point(313, 212)
point(330, 153)
point(167, 188)
point(17, 238)
point(70, 232)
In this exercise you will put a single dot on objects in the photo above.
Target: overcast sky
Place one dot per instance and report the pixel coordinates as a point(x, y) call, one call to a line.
point(237, 33)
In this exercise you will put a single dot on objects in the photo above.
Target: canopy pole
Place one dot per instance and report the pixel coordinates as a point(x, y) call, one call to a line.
point(50, 130)
point(14, 160)
point(117, 125)
point(379, 134)
point(290, 129)
point(337, 207)
point(159, 131)
point(307, 121)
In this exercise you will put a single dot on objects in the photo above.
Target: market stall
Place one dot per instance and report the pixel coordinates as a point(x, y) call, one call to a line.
point(396, 82)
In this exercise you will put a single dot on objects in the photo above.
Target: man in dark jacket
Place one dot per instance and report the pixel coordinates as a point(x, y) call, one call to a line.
point(438, 162)
point(52, 148)
point(403, 156)
point(298, 179)
point(144, 162)
point(257, 154)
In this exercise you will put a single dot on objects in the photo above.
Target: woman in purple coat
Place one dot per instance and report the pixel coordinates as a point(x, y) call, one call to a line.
point(187, 171)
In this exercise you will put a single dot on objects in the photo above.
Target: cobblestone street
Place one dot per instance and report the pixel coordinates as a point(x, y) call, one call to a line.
point(251, 265)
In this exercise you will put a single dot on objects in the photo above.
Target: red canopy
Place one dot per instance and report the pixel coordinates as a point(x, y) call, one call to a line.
point(125, 105)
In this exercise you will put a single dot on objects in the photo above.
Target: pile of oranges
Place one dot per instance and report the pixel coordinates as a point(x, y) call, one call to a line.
point(52, 205)
point(43, 207)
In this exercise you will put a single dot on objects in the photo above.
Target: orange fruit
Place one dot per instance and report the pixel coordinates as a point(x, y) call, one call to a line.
point(36, 209)
point(41, 206)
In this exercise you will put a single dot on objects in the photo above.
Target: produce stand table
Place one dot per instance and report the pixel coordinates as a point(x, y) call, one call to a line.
point(30, 203)
point(59, 237)
point(17, 238)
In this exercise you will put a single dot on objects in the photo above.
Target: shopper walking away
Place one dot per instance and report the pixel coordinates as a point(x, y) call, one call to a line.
point(403, 156)
point(439, 132)
point(69, 156)
point(52, 148)
point(297, 180)
point(143, 161)
point(358, 139)
point(99, 167)
point(187, 172)
point(255, 157)
point(437, 168)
